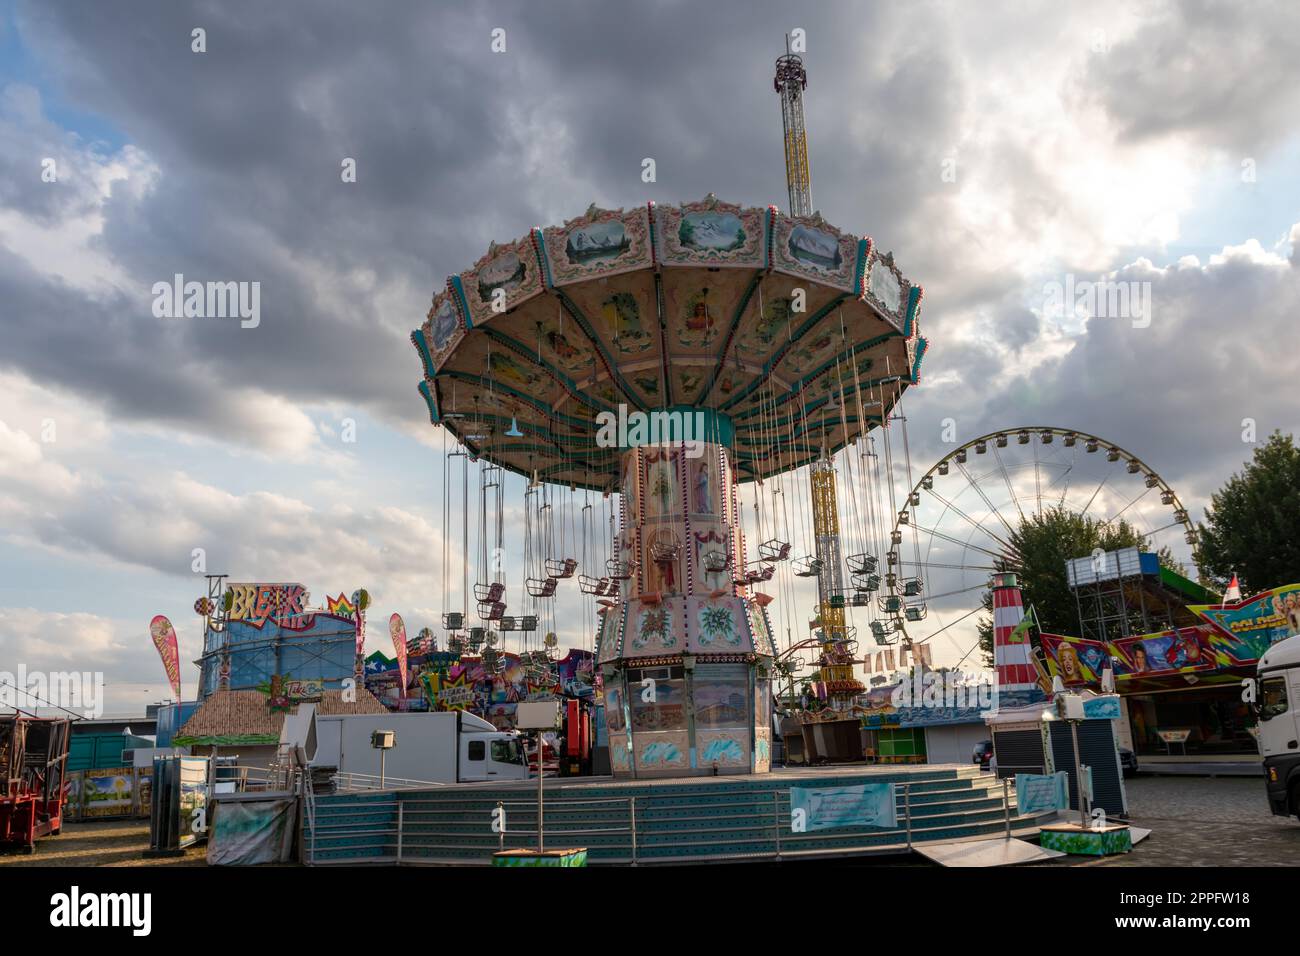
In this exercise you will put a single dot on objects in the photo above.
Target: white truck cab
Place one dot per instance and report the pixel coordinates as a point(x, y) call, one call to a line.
point(1278, 704)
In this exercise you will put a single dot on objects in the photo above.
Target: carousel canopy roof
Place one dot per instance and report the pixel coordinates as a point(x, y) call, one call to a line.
point(796, 336)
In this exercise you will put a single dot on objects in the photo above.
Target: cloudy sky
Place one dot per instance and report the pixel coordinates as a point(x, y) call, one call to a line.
point(1139, 141)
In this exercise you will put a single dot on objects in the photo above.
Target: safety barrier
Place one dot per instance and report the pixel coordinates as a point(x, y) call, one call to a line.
point(671, 823)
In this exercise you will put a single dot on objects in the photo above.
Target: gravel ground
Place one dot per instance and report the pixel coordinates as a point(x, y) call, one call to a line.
point(97, 843)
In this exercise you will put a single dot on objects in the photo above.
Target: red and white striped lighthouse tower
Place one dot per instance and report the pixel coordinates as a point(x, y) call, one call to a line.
point(1012, 658)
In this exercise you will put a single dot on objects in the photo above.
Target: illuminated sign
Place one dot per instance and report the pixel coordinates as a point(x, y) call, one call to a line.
point(255, 604)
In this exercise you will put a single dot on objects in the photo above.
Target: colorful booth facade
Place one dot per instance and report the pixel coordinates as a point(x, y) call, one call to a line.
point(1182, 686)
point(266, 635)
point(443, 680)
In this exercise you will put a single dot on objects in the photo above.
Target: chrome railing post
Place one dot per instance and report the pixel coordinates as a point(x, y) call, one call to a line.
point(776, 807)
point(907, 811)
point(632, 814)
point(1006, 805)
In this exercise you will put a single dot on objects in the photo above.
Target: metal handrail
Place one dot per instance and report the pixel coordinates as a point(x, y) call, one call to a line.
point(778, 821)
point(351, 782)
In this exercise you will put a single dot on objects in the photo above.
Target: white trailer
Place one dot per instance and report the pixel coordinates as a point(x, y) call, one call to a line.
point(438, 748)
point(1278, 708)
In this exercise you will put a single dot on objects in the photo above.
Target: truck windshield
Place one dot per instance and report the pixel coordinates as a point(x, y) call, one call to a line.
point(1272, 697)
point(506, 751)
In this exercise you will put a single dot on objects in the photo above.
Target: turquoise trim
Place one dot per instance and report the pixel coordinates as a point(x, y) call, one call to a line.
point(769, 226)
point(811, 377)
point(569, 384)
point(780, 353)
point(430, 401)
point(654, 251)
point(458, 290)
point(422, 346)
point(731, 335)
point(611, 366)
point(522, 396)
point(543, 262)
point(921, 345)
point(913, 302)
point(693, 424)
point(860, 273)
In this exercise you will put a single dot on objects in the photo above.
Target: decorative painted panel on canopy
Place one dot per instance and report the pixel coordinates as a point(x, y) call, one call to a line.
point(803, 335)
point(684, 625)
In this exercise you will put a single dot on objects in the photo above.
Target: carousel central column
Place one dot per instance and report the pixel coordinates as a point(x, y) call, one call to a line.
point(685, 647)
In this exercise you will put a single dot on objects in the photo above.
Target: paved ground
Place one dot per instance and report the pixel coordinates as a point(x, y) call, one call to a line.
point(1206, 821)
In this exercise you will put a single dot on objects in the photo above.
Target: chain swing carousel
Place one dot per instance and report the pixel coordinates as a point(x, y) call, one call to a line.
point(664, 357)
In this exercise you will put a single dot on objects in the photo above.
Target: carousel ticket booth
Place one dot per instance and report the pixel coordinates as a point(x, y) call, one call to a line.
point(685, 655)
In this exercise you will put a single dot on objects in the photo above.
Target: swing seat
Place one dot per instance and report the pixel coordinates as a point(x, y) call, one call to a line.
point(716, 561)
point(860, 599)
point(916, 612)
point(861, 563)
point(507, 624)
point(589, 585)
point(774, 550)
point(619, 570)
point(612, 590)
point(866, 582)
point(665, 553)
point(491, 610)
point(541, 587)
point(837, 601)
point(808, 567)
point(891, 604)
point(489, 593)
point(453, 620)
point(528, 622)
point(556, 568)
point(912, 587)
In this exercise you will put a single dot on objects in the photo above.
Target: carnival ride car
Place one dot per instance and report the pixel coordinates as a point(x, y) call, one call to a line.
point(33, 760)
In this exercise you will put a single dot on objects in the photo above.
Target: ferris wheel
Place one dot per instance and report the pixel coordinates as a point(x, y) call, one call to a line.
point(959, 522)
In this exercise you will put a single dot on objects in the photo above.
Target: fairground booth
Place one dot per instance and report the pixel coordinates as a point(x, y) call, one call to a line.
point(1178, 655)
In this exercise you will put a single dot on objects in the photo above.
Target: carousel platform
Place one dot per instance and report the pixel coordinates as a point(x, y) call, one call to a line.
point(736, 818)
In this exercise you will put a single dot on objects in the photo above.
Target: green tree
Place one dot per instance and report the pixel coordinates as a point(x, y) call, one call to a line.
point(1252, 526)
point(1043, 542)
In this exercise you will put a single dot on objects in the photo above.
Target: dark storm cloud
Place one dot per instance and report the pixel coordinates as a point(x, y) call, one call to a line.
point(1225, 72)
point(1177, 393)
point(457, 146)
